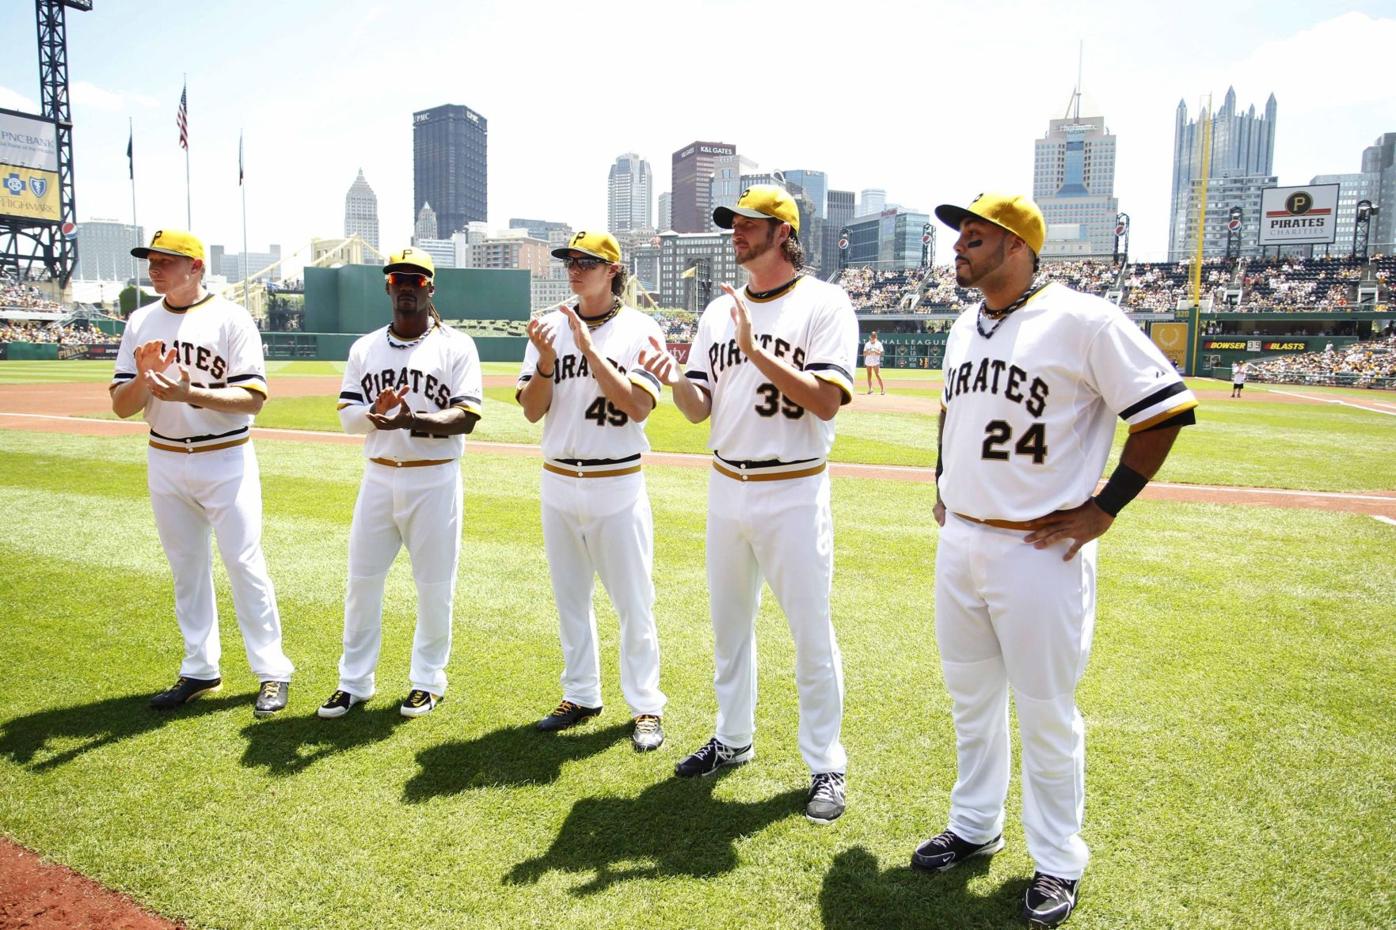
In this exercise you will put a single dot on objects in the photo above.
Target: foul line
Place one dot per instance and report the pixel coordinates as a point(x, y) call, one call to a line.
point(838, 468)
point(1334, 400)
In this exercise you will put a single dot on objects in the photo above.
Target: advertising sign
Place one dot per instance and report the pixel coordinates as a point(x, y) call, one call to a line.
point(1298, 215)
point(28, 168)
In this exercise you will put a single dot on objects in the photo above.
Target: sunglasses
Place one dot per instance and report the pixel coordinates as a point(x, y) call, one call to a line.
point(406, 279)
point(585, 264)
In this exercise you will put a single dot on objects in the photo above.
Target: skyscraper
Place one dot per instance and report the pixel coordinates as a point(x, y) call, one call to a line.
point(666, 212)
point(450, 160)
point(361, 211)
point(731, 175)
point(815, 184)
point(838, 209)
point(692, 172)
point(1074, 184)
point(1379, 159)
point(427, 224)
point(104, 251)
point(630, 194)
point(1243, 145)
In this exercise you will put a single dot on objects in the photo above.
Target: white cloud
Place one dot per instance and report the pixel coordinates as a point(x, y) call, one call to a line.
point(87, 94)
point(13, 100)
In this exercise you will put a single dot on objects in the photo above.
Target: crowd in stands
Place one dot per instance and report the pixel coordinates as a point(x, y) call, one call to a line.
point(677, 327)
point(25, 297)
point(1361, 364)
point(35, 331)
point(1255, 285)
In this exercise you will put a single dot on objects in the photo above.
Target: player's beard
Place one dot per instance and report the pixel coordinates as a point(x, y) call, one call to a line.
point(973, 272)
point(755, 250)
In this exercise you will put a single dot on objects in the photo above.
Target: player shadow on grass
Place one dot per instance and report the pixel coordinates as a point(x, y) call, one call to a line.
point(674, 827)
point(27, 740)
point(288, 745)
point(857, 896)
point(509, 757)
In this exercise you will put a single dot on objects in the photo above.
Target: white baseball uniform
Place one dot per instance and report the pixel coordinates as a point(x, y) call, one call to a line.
point(1238, 374)
point(596, 510)
point(872, 353)
point(411, 493)
point(768, 505)
point(1029, 421)
point(203, 476)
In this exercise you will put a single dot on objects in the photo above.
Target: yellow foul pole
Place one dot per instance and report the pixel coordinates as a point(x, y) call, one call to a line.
point(1196, 275)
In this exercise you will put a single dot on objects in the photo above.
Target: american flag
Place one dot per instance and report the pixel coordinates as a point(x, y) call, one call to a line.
point(182, 118)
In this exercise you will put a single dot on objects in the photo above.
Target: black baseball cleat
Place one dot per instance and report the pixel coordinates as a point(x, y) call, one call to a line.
point(338, 705)
point(648, 734)
point(826, 800)
point(713, 756)
point(271, 698)
point(948, 850)
point(1049, 900)
point(419, 703)
point(183, 691)
point(566, 714)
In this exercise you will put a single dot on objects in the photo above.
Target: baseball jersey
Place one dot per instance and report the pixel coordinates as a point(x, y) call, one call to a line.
point(1238, 374)
point(1029, 410)
point(809, 325)
point(581, 423)
point(216, 341)
point(443, 369)
point(872, 352)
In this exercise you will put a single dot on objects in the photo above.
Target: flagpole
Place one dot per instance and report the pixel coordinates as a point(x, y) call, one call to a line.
point(246, 263)
point(131, 158)
point(188, 194)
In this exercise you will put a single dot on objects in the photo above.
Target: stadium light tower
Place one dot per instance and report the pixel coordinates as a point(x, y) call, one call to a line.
point(1362, 228)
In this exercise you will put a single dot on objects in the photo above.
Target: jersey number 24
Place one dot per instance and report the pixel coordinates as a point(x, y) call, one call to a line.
point(1033, 442)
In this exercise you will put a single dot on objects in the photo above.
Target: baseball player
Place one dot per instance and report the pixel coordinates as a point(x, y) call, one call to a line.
point(1238, 378)
point(771, 367)
point(413, 390)
point(872, 361)
point(192, 366)
point(1034, 378)
point(583, 375)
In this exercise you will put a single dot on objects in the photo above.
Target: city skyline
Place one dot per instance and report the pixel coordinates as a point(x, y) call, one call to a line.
point(943, 139)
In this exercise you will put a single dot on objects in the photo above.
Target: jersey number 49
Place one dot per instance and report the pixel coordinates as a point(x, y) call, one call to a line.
point(603, 412)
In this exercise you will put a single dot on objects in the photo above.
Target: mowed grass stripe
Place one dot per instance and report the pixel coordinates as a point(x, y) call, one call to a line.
point(1222, 691)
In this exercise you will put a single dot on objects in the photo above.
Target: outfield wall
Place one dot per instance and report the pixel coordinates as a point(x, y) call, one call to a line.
point(350, 298)
point(334, 347)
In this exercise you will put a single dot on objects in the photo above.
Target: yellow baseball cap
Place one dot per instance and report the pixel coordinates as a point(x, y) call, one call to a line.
point(1013, 212)
point(600, 245)
point(761, 201)
point(414, 260)
point(172, 242)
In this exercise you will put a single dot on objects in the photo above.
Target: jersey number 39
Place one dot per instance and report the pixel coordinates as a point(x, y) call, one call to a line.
point(772, 400)
point(1033, 442)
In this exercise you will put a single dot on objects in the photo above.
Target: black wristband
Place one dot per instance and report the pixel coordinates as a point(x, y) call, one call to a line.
point(1124, 486)
point(542, 374)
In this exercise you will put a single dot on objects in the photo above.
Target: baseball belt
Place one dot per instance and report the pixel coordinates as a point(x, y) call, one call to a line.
point(769, 470)
point(169, 444)
point(593, 468)
point(416, 463)
point(999, 524)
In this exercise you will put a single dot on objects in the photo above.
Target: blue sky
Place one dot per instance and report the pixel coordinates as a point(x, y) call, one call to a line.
point(933, 102)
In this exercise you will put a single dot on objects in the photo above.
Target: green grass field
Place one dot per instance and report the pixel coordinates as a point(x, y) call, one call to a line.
point(1242, 764)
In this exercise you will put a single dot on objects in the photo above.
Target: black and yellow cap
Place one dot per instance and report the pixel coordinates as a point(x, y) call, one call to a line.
point(762, 201)
point(600, 245)
point(172, 242)
point(1013, 212)
point(413, 260)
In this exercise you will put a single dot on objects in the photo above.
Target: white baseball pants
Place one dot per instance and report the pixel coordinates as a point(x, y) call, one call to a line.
point(603, 527)
point(219, 492)
point(1012, 616)
point(783, 531)
point(421, 507)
